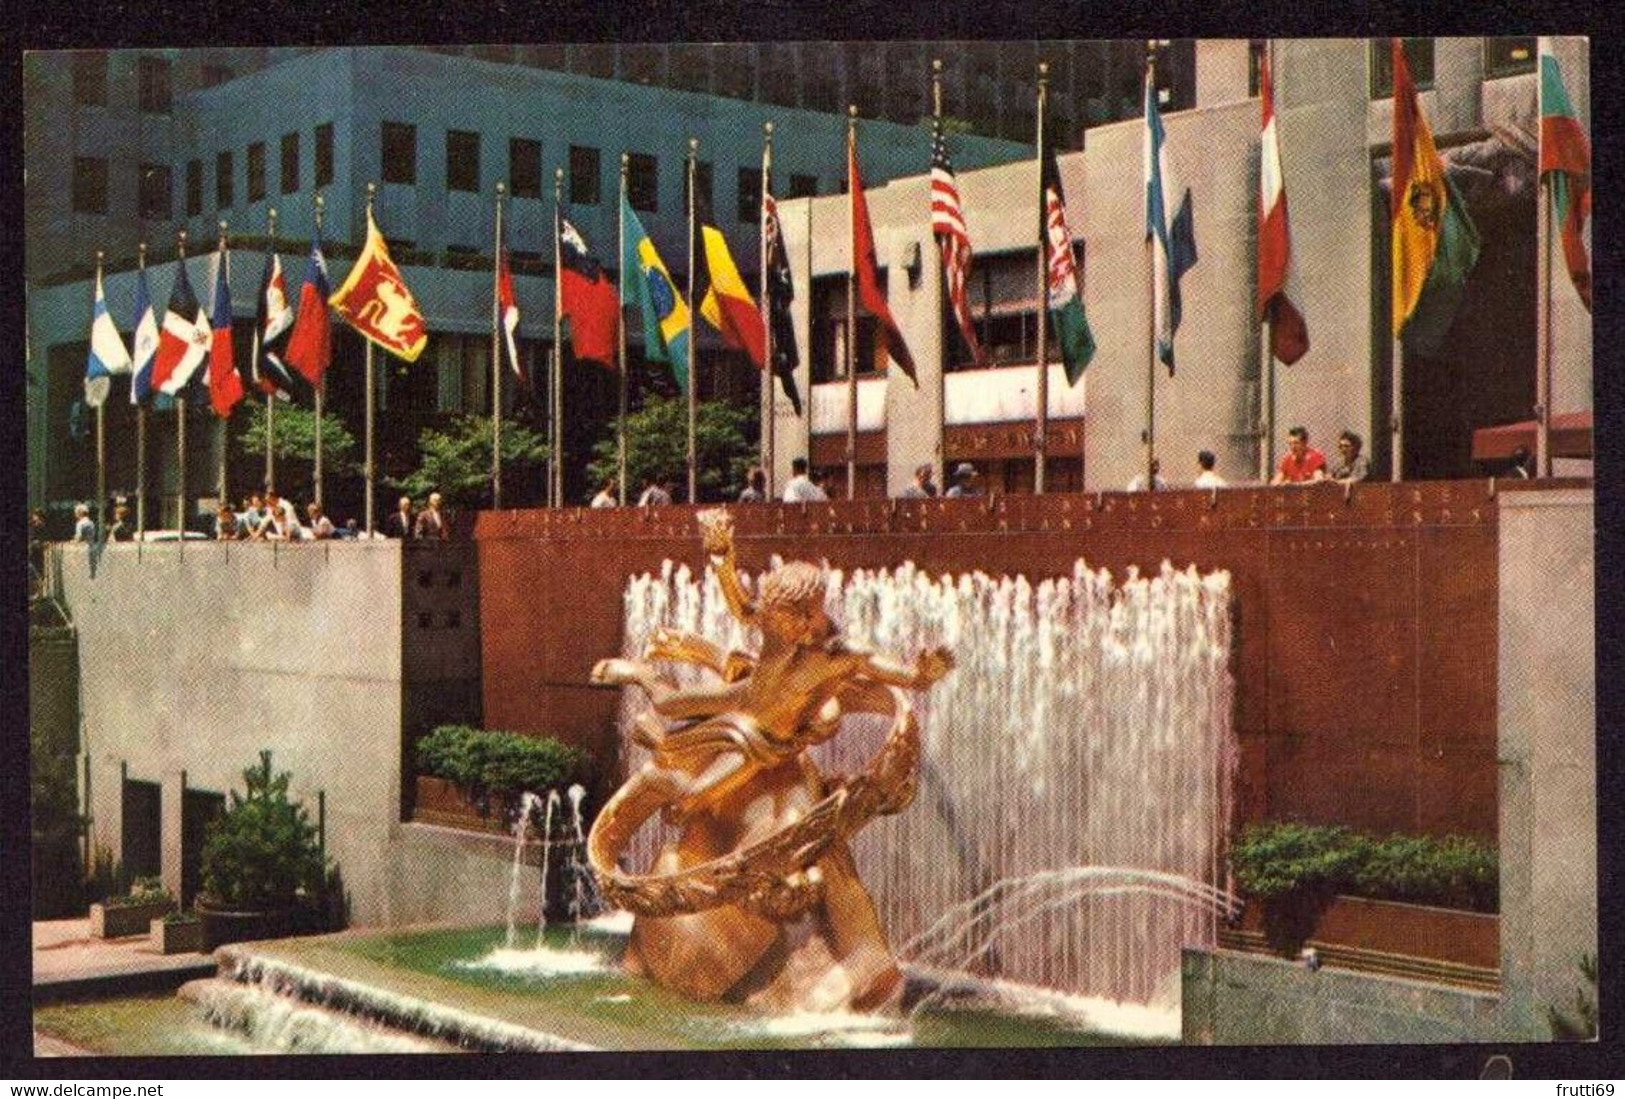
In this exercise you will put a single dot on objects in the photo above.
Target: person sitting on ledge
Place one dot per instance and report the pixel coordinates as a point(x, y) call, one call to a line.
point(1205, 461)
point(122, 529)
point(321, 527)
point(1302, 463)
point(606, 495)
point(225, 525)
point(1351, 465)
point(1137, 484)
point(922, 487)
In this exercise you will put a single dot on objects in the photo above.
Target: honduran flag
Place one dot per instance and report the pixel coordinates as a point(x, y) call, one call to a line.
point(726, 303)
point(508, 314)
point(225, 386)
point(146, 341)
point(1174, 250)
point(184, 340)
point(1565, 155)
point(310, 344)
point(108, 355)
point(1289, 335)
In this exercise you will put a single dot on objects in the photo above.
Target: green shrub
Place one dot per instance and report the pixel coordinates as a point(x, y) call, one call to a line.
point(488, 763)
point(262, 853)
point(143, 891)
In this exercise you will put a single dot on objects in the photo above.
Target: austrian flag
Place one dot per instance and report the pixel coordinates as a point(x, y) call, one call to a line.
point(375, 301)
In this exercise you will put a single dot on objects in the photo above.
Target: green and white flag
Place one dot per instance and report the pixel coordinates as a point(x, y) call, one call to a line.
point(1064, 280)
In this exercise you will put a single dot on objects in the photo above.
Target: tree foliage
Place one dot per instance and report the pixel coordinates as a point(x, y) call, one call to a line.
point(657, 446)
point(293, 437)
point(456, 462)
point(262, 853)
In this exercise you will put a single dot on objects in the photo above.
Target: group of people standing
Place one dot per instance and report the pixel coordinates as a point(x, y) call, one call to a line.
point(1302, 464)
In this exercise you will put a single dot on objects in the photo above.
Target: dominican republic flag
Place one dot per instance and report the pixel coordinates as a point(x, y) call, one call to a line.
point(508, 314)
point(225, 385)
point(146, 341)
point(184, 340)
point(265, 371)
point(310, 344)
point(867, 269)
point(948, 225)
point(1062, 277)
point(1565, 156)
point(781, 291)
point(1174, 252)
point(108, 355)
point(1289, 335)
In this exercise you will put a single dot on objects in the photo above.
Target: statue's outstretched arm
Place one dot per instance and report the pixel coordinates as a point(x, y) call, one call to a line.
point(717, 528)
point(931, 666)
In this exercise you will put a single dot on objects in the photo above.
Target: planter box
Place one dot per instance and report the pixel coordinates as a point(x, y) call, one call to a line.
point(185, 937)
point(123, 920)
point(220, 926)
point(444, 803)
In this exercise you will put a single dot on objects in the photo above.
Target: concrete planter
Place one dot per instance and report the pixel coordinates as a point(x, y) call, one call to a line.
point(177, 937)
point(1389, 928)
point(220, 926)
point(438, 801)
point(119, 921)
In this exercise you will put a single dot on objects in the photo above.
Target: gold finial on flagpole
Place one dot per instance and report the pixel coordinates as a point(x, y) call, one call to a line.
point(372, 191)
point(180, 243)
point(321, 204)
point(141, 254)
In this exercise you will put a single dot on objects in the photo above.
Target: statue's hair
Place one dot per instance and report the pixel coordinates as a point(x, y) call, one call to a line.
point(796, 584)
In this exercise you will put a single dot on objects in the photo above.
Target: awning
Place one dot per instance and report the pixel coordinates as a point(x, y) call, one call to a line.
point(1570, 438)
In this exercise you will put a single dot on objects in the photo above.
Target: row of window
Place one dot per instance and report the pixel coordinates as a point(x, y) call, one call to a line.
point(1502, 57)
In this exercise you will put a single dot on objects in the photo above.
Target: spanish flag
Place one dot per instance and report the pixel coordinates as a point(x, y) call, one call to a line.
point(1435, 244)
point(726, 304)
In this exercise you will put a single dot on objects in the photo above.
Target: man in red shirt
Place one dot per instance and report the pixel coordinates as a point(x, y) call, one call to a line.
point(1302, 462)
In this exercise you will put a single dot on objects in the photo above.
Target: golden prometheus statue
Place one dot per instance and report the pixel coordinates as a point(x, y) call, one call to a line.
point(757, 897)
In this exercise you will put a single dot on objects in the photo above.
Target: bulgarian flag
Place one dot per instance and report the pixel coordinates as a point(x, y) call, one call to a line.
point(1435, 244)
point(1565, 155)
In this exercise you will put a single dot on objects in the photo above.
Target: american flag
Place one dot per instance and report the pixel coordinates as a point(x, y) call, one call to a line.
point(948, 224)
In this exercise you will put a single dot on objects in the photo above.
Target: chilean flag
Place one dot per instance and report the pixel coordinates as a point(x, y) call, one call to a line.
point(1289, 335)
point(184, 339)
point(225, 386)
point(310, 344)
point(508, 312)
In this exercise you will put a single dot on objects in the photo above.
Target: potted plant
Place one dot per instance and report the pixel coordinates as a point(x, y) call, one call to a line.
point(262, 863)
point(177, 933)
point(130, 913)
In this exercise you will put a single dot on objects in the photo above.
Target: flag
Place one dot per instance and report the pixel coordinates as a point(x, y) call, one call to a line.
point(1289, 335)
point(376, 302)
point(108, 355)
point(1435, 243)
point(867, 270)
point(508, 313)
point(1064, 283)
point(948, 224)
point(225, 386)
point(726, 303)
point(780, 293)
point(665, 314)
point(146, 341)
point(1174, 250)
point(1565, 155)
point(309, 348)
point(184, 340)
point(586, 297)
point(267, 366)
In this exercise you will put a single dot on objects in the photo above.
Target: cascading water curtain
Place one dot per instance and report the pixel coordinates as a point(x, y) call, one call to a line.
point(1077, 770)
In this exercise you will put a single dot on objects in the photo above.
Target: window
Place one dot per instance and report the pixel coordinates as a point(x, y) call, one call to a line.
point(527, 263)
point(1256, 51)
point(215, 75)
point(154, 195)
point(223, 179)
point(399, 152)
point(153, 93)
point(461, 257)
point(643, 182)
point(584, 173)
point(324, 154)
point(702, 183)
point(829, 333)
point(90, 79)
point(255, 166)
point(1418, 58)
point(803, 186)
point(1001, 301)
point(462, 160)
point(290, 163)
point(194, 188)
point(89, 185)
point(750, 194)
point(1509, 56)
point(525, 167)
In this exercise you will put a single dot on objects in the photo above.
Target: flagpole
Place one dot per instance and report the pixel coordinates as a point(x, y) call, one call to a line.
point(321, 384)
point(1543, 231)
point(1266, 448)
point(225, 436)
point(270, 398)
point(1151, 270)
point(372, 191)
point(620, 342)
point(942, 368)
point(140, 429)
point(555, 404)
point(180, 424)
point(693, 334)
point(769, 409)
point(496, 358)
point(1396, 352)
point(851, 310)
point(101, 430)
point(1041, 427)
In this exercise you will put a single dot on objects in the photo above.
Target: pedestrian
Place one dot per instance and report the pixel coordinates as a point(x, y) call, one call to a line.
point(755, 490)
point(654, 494)
point(922, 487)
point(965, 483)
point(799, 489)
point(401, 522)
point(1205, 477)
point(1302, 463)
point(606, 495)
point(1137, 484)
point(432, 522)
point(321, 527)
point(1351, 465)
point(84, 527)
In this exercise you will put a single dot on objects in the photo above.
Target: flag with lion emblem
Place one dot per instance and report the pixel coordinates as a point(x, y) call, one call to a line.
point(375, 302)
